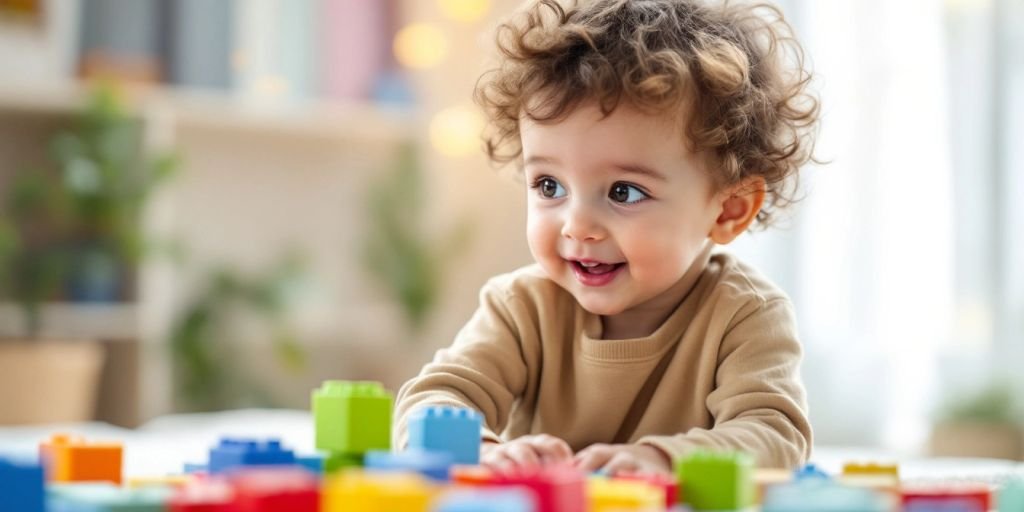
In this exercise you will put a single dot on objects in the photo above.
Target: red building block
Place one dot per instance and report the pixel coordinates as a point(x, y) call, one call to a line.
point(72, 459)
point(978, 495)
point(203, 495)
point(275, 489)
point(558, 488)
point(668, 484)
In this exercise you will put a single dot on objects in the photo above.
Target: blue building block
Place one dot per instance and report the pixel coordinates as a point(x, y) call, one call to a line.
point(105, 497)
point(314, 463)
point(433, 465)
point(192, 467)
point(21, 485)
point(235, 452)
point(819, 495)
point(809, 471)
point(487, 500)
point(454, 430)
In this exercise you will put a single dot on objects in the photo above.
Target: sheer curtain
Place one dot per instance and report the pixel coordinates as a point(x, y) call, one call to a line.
point(896, 255)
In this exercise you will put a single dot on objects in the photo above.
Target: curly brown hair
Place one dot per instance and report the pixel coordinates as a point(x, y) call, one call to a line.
point(735, 71)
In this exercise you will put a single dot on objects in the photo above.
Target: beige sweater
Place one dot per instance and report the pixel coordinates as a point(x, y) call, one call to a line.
point(722, 372)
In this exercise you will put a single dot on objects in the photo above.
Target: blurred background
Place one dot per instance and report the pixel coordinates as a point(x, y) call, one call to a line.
point(215, 204)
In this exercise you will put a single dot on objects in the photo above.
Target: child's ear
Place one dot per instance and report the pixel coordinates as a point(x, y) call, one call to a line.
point(740, 204)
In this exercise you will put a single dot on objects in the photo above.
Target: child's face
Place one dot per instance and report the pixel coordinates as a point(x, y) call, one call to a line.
point(621, 195)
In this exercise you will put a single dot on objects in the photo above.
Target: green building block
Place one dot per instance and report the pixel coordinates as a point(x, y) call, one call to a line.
point(352, 417)
point(104, 497)
point(338, 461)
point(716, 481)
point(1011, 495)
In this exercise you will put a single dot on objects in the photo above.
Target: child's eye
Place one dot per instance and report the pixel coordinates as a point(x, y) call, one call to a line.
point(549, 188)
point(626, 193)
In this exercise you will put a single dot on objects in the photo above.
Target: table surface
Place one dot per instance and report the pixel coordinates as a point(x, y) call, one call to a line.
point(163, 445)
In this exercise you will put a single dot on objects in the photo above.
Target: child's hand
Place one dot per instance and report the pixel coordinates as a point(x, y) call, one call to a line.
point(616, 458)
point(524, 452)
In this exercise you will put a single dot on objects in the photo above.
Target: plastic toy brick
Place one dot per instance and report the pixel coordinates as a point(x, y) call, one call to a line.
point(313, 463)
point(353, 490)
point(433, 465)
point(809, 471)
point(976, 497)
point(203, 495)
point(943, 506)
point(21, 485)
point(472, 476)
point(856, 468)
point(1011, 496)
point(455, 430)
point(607, 495)
point(817, 495)
point(191, 468)
point(352, 417)
point(234, 452)
point(487, 500)
point(716, 481)
point(668, 486)
point(105, 497)
point(273, 489)
point(558, 488)
point(338, 461)
point(72, 459)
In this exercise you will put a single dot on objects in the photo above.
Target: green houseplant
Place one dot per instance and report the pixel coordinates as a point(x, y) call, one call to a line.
point(69, 233)
point(982, 424)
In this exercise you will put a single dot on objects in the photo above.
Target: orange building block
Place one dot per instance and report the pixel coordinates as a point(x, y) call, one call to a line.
point(73, 459)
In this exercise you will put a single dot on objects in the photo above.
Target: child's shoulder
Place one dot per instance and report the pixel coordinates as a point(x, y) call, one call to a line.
point(736, 280)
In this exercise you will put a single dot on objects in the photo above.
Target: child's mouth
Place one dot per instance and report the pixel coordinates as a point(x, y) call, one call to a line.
point(592, 273)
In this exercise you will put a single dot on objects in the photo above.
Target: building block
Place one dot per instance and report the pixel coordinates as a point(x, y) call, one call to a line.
point(608, 495)
point(942, 506)
point(73, 459)
point(313, 463)
point(716, 481)
point(159, 481)
point(203, 495)
point(976, 497)
point(487, 500)
point(455, 430)
point(809, 471)
point(353, 490)
point(818, 495)
point(433, 465)
point(105, 497)
point(192, 468)
point(352, 417)
point(274, 489)
point(337, 461)
point(21, 485)
point(669, 486)
point(1011, 495)
point(871, 468)
point(558, 488)
point(231, 453)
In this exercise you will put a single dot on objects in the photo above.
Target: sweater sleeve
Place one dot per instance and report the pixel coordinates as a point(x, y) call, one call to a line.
point(483, 369)
point(759, 403)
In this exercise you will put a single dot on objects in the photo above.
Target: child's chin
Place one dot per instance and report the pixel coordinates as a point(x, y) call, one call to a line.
point(599, 308)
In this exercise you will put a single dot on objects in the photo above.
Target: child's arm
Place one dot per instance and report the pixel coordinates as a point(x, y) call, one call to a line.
point(759, 403)
point(484, 369)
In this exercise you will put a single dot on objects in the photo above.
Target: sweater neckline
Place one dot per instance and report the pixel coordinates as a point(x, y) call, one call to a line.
point(632, 349)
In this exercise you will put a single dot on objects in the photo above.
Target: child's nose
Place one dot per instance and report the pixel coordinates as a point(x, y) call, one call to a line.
point(581, 224)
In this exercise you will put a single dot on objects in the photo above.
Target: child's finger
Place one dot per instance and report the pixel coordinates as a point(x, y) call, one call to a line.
point(498, 461)
point(523, 454)
point(551, 448)
point(620, 463)
point(594, 457)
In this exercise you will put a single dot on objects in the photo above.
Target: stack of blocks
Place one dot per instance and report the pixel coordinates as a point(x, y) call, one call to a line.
point(351, 419)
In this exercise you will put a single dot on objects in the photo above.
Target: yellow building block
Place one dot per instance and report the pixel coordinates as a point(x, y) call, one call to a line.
point(605, 495)
point(174, 481)
point(855, 468)
point(353, 490)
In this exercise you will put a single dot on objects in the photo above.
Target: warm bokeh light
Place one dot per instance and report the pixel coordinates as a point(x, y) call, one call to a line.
point(466, 11)
point(455, 131)
point(420, 45)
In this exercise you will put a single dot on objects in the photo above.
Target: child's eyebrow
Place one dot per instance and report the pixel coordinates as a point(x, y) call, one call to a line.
point(640, 169)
